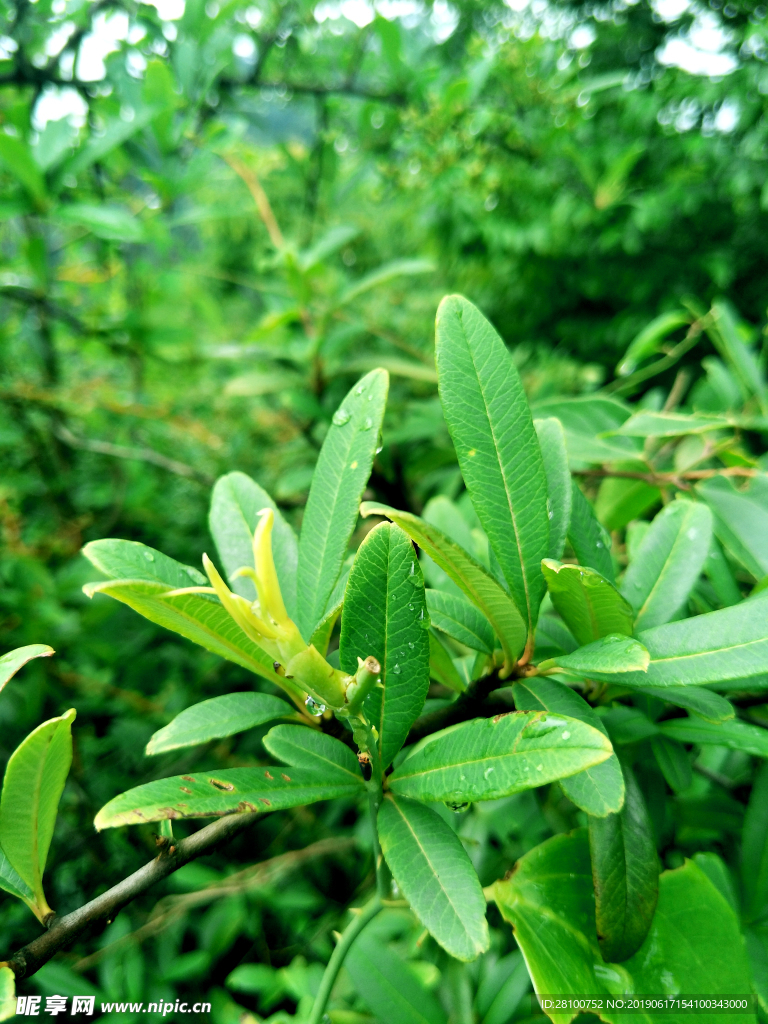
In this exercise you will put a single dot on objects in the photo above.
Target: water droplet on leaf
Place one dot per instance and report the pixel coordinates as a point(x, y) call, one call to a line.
point(456, 808)
point(315, 708)
point(397, 670)
point(367, 423)
point(149, 556)
point(340, 417)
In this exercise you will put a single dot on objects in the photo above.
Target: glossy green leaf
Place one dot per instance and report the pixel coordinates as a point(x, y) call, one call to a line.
point(217, 717)
point(741, 521)
point(694, 944)
point(33, 784)
point(588, 537)
point(553, 638)
point(668, 563)
point(235, 503)
point(754, 850)
point(460, 620)
point(492, 757)
point(625, 874)
point(441, 666)
point(669, 424)
point(301, 747)
point(613, 653)
point(388, 987)
point(555, 457)
point(589, 604)
point(385, 616)
point(496, 445)
point(11, 662)
point(129, 560)
point(217, 793)
point(12, 882)
point(705, 703)
point(728, 644)
point(435, 875)
point(647, 342)
point(674, 762)
point(735, 735)
point(503, 986)
point(598, 790)
point(479, 586)
point(620, 500)
point(340, 477)
point(198, 617)
point(7, 993)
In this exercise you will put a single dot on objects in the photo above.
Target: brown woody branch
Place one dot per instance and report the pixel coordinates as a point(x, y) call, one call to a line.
point(63, 931)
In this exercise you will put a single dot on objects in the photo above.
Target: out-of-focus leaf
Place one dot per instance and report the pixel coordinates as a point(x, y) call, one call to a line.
point(497, 447)
point(668, 563)
point(669, 424)
point(216, 793)
point(385, 617)
point(752, 739)
point(674, 762)
point(113, 223)
point(396, 268)
point(17, 158)
point(460, 620)
point(435, 874)
point(589, 604)
point(217, 717)
point(11, 662)
point(598, 790)
point(7, 993)
point(555, 457)
point(340, 476)
point(441, 666)
point(588, 537)
point(387, 987)
point(619, 500)
point(493, 757)
point(625, 873)
point(754, 849)
point(649, 339)
point(741, 521)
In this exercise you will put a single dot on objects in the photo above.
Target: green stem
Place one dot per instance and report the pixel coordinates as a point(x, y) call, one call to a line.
point(350, 933)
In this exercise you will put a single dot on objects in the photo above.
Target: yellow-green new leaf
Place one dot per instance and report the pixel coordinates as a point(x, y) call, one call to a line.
point(33, 784)
point(435, 875)
point(493, 757)
point(589, 604)
point(479, 586)
point(496, 444)
point(613, 653)
point(340, 477)
point(11, 662)
point(7, 993)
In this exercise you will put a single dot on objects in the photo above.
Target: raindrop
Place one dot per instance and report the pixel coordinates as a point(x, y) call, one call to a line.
point(487, 771)
point(367, 423)
point(340, 417)
point(599, 544)
point(456, 808)
point(410, 607)
point(412, 570)
point(411, 644)
point(149, 556)
point(359, 390)
point(315, 708)
point(397, 670)
point(566, 734)
point(370, 398)
point(539, 767)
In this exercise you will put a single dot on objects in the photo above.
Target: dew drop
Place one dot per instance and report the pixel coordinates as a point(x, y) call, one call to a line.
point(315, 708)
point(411, 644)
point(367, 423)
point(566, 734)
point(359, 390)
point(149, 556)
point(397, 670)
point(599, 544)
point(487, 771)
point(410, 607)
point(412, 571)
point(340, 417)
point(456, 808)
point(370, 398)
point(539, 767)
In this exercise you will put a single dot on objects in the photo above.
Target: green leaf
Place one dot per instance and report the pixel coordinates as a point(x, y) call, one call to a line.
point(589, 604)
point(235, 503)
point(668, 424)
point(7, 993)
point(648, 341)
point(460, 620)
point(116, 132)
point(113, 223)
point(385, 616)
point(694, 944)
point(197, 617)
point(625, 874)
point(436, 876)
point(674, 762)
point(340, 477)
point(741, 521)
point(585, 420)
point(301, 747)
point(728, 644)
point(129, 560)
point(502, 988)
point(555, 457)
point(704, 703)
point(11, 662)
point(619, 500)
point(754, 849)
point(493, 757)
point(724, 332)
point(12, 882)
point(613, 653)
point(668, 563)
point(720, 575)
point(218, 793)
point(588, 537)
point(479, 586)
point(17, 158)
point(553, 638)
point(388, 987)
point(441, 666)
point(384, 274)
point(598, 790)
point(217, 717)
point(34, 782)
point(496, 445)
point(735, 735)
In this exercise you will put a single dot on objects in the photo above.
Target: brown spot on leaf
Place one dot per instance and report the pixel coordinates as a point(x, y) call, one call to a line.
point(187, 778)
point(245, 806)
point(286, 777)
point(267, 775)
point(184, 789)
point(265, 801)
point(218, 784)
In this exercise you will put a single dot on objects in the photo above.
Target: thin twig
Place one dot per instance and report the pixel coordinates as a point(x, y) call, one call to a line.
point(119, 451)
point(260, 197)
point(63, 931)
point(690, 339)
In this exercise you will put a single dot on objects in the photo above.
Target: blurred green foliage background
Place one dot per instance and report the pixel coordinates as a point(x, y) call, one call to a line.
point(214, 217)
